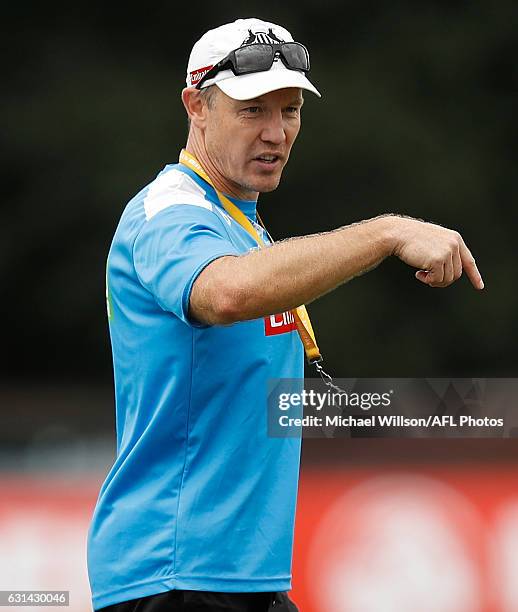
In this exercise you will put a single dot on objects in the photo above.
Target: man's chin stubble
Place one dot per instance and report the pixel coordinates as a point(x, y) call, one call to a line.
point(260, 187)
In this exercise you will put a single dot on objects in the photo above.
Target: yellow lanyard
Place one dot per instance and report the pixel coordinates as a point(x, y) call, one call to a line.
point(304, 327)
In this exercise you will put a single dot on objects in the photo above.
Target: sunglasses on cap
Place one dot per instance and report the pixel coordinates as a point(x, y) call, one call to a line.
point(259, 57)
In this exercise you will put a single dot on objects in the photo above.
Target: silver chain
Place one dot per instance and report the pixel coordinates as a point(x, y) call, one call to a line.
point(327, 378)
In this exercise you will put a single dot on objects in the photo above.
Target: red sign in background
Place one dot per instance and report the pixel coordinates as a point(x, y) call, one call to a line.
point(43, 529)
point(401, 540)
point(438, 539)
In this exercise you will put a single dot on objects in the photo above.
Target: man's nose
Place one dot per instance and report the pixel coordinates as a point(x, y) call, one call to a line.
point(273, 129)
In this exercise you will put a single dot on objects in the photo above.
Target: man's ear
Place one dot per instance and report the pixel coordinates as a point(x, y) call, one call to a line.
point(194, 106)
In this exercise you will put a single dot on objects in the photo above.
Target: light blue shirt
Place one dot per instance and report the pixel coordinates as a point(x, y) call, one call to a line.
point(199, 496)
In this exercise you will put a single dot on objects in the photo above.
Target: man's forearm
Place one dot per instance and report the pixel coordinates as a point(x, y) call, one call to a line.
point(288, 273)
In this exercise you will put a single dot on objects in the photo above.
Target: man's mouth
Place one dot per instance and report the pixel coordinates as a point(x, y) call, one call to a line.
point(267, 159)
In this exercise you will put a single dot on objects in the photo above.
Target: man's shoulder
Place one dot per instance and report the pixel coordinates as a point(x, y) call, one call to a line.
point(173, 187)
point(174, 196)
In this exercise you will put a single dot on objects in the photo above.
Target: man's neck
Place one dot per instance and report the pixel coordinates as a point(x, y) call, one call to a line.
point(220, 182)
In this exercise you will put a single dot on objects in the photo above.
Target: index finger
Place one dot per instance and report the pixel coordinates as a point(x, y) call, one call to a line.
point(470, 267)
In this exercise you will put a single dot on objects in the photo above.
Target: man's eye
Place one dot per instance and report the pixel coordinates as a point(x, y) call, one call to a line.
point(252, 109)
point(292, 110)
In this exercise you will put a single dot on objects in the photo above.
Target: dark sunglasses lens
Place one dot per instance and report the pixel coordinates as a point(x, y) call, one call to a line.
point(296, 55)
point(253, 58)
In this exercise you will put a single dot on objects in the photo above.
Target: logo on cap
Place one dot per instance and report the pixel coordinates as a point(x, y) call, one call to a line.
point(268, 38)
point(197, 75)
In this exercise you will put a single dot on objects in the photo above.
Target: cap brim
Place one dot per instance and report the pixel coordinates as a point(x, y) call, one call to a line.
point(248, 86)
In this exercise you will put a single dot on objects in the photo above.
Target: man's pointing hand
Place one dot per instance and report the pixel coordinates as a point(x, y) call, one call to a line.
point(440, 253)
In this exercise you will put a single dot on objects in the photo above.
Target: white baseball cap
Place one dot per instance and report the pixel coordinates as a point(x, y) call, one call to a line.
point(216, 44)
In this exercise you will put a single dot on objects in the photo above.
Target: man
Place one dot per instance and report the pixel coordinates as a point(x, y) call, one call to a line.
point(197, 512)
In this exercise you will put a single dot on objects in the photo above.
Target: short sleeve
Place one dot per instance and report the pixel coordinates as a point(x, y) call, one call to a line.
point(171, 250)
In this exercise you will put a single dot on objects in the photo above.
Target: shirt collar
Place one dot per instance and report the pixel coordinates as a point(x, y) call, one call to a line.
point(248, 207)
